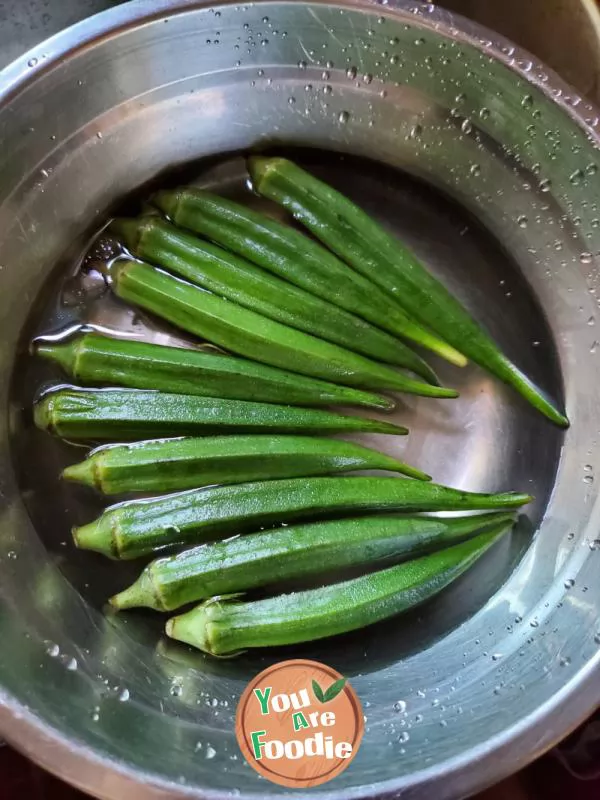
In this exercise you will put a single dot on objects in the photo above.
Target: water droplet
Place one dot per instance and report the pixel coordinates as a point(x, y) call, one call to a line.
point(351, 73)
point(12, 555)
point(591, 169)
point(96, 713)
point(124, 695)
point(466, 126)
point(404, 737)
point(496, 656)
point(367, 78)
point(518, 619)
point(264, 42)
point(308, 87)
point(32, 62)
point(416, 132)
point(475, 170)
point(565, 661)
point(586, 258)
point(484, 113)
point(534, 623)
point(545, 185)
point(569, 583)
point(588, 478)
point(327, 89)
point(400, 706)
point(497, 690)
point(302, 65)
point(291, 100)
point(576, 177)
point(343, 117)
point(418, 717)
point(210, 752)
point(597, 638)
point(522, 221)
point(53, 650)
point(527, 101)
point(395, 59)
point(419, 41)
point(570, 536)
point(176, 690)
point(71, 664)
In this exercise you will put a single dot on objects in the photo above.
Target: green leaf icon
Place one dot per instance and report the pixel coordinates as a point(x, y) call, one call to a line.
point(334, 689)
point(318, 692)
point(331, 693)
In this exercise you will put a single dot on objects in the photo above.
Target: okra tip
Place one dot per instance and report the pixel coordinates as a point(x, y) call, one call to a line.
point(63, 353)
point(167, 201)
point(141, 593)
point(259, 166)
point(192, 628)
point(98, 536)
point(43, 416)
point(380, 426)
point(511, 499)
point(82, 472)
point(129, 231)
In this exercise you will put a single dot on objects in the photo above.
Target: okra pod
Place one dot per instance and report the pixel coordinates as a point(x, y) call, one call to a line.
point(167, 465)
point(250, 334)
point(225, 625)
point(125, 414)
point(142, 527)
point(368, 248)
point(296, 258)
point(269, 557)
point(92, 358)
point(226, 275)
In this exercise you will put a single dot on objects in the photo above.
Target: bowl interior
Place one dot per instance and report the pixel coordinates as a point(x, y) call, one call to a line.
point(492, 183)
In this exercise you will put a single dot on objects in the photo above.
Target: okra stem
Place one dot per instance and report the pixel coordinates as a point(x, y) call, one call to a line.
point(368, 248)
point(223, 626)
point(247, 333)
point(229, 276)
point(92, 358)
point(126, 414)
point(141, 527)
point(296, 258)
point(269, 557)
point(167, 465)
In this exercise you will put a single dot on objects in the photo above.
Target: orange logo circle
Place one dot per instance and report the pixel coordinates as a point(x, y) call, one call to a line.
point(299, 723)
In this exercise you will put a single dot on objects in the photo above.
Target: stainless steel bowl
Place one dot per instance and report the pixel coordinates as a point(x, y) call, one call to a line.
point(505, 208)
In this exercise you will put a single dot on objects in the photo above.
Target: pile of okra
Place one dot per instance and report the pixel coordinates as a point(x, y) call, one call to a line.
point(239, 487)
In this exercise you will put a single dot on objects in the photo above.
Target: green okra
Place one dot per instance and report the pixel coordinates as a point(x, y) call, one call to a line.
point(226, 275)
point(269, 557)
point(117, 414)
point(247, 333)
point(369, 249)
point(141, 527)
point(92, 358)
point(296, 258)
point(227, 625)
point(167, 465)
